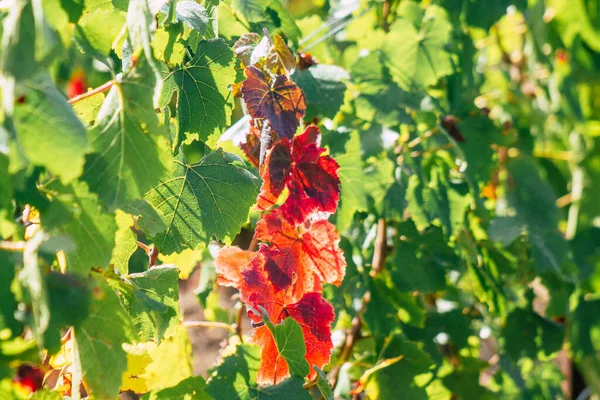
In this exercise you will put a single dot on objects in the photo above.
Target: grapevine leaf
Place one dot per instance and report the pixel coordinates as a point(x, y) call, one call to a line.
point(352, 198)
point(526, 333)
point(77, 214)
point(299, 253)
point(416, 54)
point(129, 157)
point(269, 14)
point(229, 265)
point(8, 305)
point(324, 88)
point(194, 14)
point(281, 102)
point(311, 179)
point(250, 47)
point(418, 264)
point(125, 243)
point(313, 313)
point(152, 302)
point(535, 204)
point(140, 18)
point(18, 41)
point(323, 384)
point(188, 389)
point(42, 115)
point(99, 28)
point(380, 98)
point(235, 378)
point(99, 339)
point(205, 103)
point(279, 58)
point(399, 363)
point(290, 345)
point(202, 200)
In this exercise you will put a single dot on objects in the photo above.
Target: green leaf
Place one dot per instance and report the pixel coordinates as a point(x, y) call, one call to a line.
point(99, 29)
point(415, 50)
point(125, 242)
point(431, 196)
point(204, 102)
point(98, 342)
point(188, 389)
point(46, 394)
point(378, 178)
point(419, 260)
point(43, 116)
point(484, 14)
point(130, 154)
point(323, 87)
point(323, 384)
point(77, 214)
point(193, 14)
point(235, 379)
point(535, 204)
point(528, 334)
point(584, 325)
point(289, 339)
point(35, 293)
point(152, 303)
point(479, 133)
point(380, 98)
point(352, 180)
point(73, 8)
point(269, 14)
point(140, 19)
point(8, 303)
point(18, 41)
point(202, 200)
point(405, 361)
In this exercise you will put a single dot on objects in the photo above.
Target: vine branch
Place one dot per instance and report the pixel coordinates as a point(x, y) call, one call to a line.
point(90, 93)
point(354, 333)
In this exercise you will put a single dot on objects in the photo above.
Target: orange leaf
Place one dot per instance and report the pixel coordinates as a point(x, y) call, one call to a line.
point(315, 316)
point(229, 265)
point(296, 254)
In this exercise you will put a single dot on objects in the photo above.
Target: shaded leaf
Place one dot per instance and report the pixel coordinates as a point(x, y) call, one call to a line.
point(281, 102)
point(130, 154)
point(42, 115)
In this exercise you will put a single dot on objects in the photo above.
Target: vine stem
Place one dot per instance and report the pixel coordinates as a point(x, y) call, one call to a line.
point(12, 246)
point(90, 93)
point(354, 333)
point(209, 324)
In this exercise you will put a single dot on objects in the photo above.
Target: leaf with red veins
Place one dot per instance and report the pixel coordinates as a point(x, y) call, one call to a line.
point(314, 315)
point(274, 172)
point(313, 187)
point(296, 254)
point(311, 178)
point(282, 102)
point(257, 290)
point(229, 265)
point(251, 147)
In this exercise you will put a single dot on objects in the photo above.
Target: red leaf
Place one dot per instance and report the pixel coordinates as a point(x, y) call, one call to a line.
point(282, 103)
point(315, 316)
point(311, 178)
point(229, 265)
point(274, 173)
point(252, 145)
point(296, 254)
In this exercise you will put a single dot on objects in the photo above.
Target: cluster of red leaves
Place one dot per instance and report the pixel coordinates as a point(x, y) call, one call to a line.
point(299, 249)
